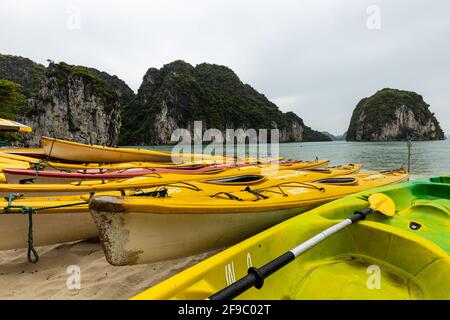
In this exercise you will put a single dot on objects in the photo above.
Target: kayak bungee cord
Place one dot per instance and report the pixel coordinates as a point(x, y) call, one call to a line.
point(158, 193)
point(228, 194)
point(180, 184)
point(289, 185)
point(260, 196)
point(256, 193)
point(147, 175)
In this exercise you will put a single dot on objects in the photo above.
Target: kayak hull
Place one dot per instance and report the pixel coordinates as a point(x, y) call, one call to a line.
point(137, 230)
point(147, 237)
point(17, 176)
point(73, 151)
point(26, 152)
point(16, 224)
point(48, 229)
point(378, 258)
point(337, 269)
point(140, 182)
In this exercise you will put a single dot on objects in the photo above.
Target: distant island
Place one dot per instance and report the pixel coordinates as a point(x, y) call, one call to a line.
point(335, 137)
point(90, 106)
point(392, 114)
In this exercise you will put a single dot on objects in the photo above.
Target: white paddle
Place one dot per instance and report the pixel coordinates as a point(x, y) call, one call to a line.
point(255, 278)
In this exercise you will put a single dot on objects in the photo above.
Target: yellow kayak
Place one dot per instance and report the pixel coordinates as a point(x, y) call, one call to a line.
point(142, 182)
point(13, 161)
point(10, 159)
point(183, 219)
point(79, 152)
point(9, 125)
point(26, 152)
point(16, 157)
point(67, 218)
point(74, 151)
point(378, 258)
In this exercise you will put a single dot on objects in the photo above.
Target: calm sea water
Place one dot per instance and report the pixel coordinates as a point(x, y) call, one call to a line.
point(429, 158)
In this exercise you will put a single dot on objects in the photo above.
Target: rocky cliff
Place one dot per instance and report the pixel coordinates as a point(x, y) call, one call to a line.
point(73, 104)
point(90, 106)
point(67, 102)
point(178, 94)
point(392, 114)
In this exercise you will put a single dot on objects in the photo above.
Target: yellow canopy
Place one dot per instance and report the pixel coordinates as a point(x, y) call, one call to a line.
point(9, 125)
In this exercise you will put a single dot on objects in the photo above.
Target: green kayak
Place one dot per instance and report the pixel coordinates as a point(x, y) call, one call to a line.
point(405, 256)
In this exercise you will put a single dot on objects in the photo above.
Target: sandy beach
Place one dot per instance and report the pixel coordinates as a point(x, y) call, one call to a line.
point(99, 280)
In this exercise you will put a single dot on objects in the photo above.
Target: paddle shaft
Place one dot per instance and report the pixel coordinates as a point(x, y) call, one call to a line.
point(255, 277)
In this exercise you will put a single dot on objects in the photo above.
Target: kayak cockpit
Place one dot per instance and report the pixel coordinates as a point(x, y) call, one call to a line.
point(246, 179)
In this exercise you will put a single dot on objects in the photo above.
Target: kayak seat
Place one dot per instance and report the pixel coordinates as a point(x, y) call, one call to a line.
point(429, 219)
point(410, 268)
point(440, 206)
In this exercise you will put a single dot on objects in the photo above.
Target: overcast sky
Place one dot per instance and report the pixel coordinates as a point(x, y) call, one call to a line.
point(317, 58)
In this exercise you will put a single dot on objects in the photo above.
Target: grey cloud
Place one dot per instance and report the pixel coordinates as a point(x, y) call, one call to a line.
point(316, 58)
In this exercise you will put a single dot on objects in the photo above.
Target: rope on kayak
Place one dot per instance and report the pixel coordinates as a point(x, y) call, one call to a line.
point(229, 195)
point(51, 148)
point(37, 166)
point(147, 175)
point(161, 193)
point(162, 190)
point(184, 184)
point(10, 198)
point(40, 166)
point(179, 184)
point(256, 193)
point(280, 187)
point(47, 163)
point(32, 255)
point(6, 210)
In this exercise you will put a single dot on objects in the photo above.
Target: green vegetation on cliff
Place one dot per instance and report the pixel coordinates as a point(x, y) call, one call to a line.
point(379, 117)
point(11, 102)
point(22, 71)
point(11, 99)
point(116, 85)
point(207, 92)
point(62, 71)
